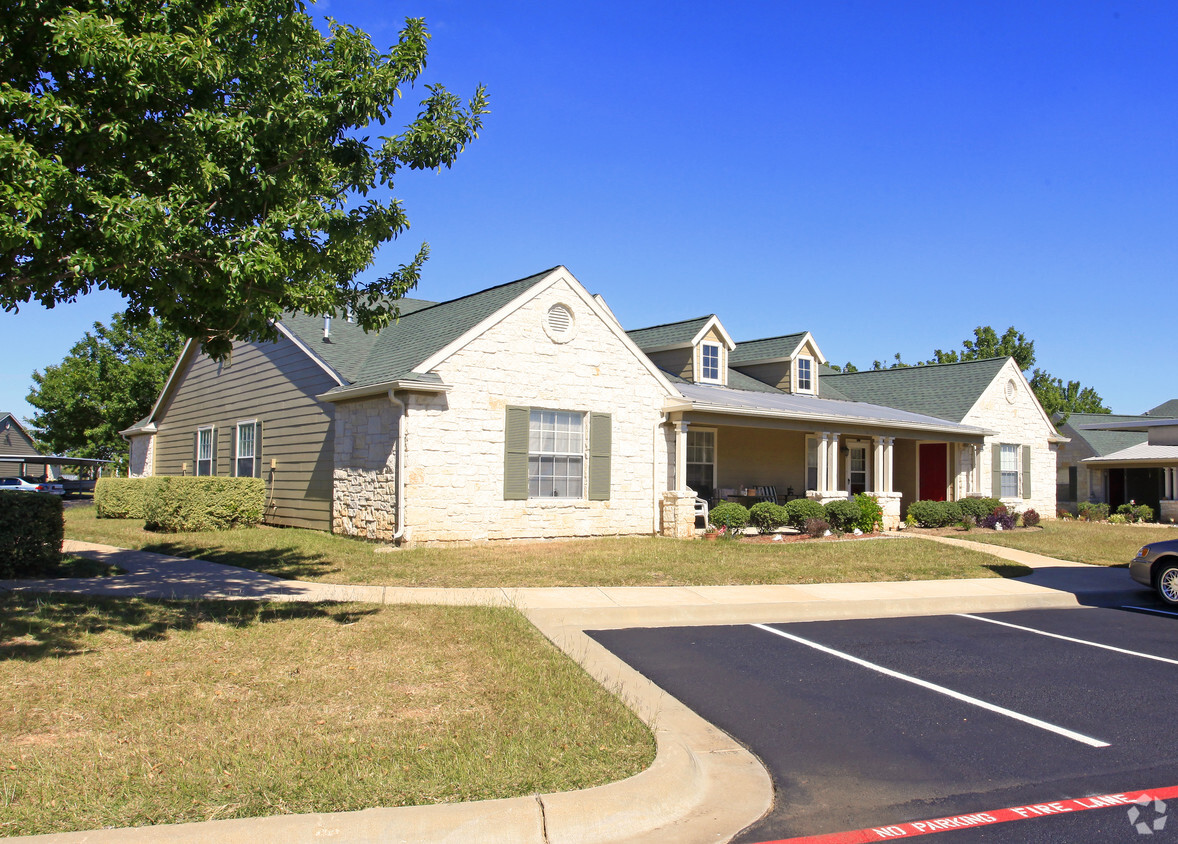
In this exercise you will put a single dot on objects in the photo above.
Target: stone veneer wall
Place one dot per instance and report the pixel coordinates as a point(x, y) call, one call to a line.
point(142, 451)
point(455, 442)
point(364, 481)
point(1019, 423)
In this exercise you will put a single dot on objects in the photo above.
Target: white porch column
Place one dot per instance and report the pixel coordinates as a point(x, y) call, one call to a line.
point(822, 471)
point(832, 463)
point(1170, 480)
point(681, 454)
point(878, 471)
point(889, 461)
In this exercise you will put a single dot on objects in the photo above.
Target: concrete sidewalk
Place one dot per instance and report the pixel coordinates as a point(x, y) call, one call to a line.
point(702, 787)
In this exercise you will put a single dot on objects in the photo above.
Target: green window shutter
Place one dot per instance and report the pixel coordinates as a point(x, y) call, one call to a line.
point(996, 471)
point(1073, 482)
point(213, 455)
point(195, 452)
point(515, 454)
point(600, 455)
point(1026, 471)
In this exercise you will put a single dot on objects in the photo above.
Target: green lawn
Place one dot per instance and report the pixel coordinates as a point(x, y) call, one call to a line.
point(1083, 542)
point(635, 561)
point(130, 712)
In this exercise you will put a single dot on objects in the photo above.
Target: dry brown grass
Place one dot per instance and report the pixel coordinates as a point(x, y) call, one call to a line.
point(119, 713)
point(629, 561)
point(1095, 543)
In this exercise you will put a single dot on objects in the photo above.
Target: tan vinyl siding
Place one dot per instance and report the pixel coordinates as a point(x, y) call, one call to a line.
point(776, 374)
point(758, 457)
point(276, 384)
point(675, 361)
point(13, 440)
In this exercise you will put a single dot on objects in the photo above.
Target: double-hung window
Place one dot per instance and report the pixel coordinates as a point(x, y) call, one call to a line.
point(204, 451)
point(709, 362)
point(248, 450)
point(1009, 469)
point(701, 462)
point(556, 454)
point(805, 375)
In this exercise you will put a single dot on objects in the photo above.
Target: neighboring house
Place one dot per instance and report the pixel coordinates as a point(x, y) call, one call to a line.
point(1117, 459)
point(15, 443)
point(525, 411)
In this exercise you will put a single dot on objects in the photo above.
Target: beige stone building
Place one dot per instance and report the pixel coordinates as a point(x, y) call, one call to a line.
point(526, 411)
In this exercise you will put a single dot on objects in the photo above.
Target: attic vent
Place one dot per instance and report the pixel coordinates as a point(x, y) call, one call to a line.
point(1010, 390)
point(559, 324)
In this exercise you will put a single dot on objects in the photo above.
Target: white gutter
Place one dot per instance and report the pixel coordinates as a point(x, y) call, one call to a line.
point(379, 389)
point(803, 416)
point(402, 423)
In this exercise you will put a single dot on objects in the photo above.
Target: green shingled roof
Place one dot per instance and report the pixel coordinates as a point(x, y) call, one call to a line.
point(768, 348)
point(736, 381)
point(423, 329)
point(945, 390)
point(1103, 443)
point(669, 334)
point(1167, 410)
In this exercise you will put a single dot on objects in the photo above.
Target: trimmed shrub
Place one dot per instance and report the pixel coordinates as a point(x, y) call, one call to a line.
point(870, 513)
point(817, 528)
point(767, 516)
point(729, 515)
point(31, 529)
point(934, 514)
point(1143, 513)
point(979, 508)
point(119, 498)
point(842, 515)
point(181, 504)
point(1118, 519)
point(1030, 519)
point(801, 510)
point(1092, 511)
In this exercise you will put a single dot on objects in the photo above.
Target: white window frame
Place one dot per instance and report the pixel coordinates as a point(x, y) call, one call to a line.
point(543, 462)
point(1005, 469)
point(200, 443)
point(238, 456)
point(812, 376)
point(703, 372)
point(689, 462)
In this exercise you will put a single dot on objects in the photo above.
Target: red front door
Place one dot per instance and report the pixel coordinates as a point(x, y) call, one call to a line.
point(934, 471)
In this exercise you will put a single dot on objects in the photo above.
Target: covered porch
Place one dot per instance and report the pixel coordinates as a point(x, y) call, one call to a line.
point(743, 446)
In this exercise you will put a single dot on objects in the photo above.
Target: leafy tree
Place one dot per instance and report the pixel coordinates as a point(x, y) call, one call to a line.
point(987, 344)
point(207, 159)
point(1062, 400)
point(108, 381)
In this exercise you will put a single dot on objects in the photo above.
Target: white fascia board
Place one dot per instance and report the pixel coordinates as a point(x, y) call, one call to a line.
point(806, 338)
point(149, 428)
point(560, 273)
point(827, 419)
point(713, 322)
point(809, 338)
point(385, 387)
point(305, 349)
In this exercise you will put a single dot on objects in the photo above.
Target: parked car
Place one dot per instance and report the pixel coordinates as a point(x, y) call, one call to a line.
point(32, 485)
point(1156, 566)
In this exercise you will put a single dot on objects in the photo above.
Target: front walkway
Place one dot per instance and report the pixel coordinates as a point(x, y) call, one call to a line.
point(702, 786)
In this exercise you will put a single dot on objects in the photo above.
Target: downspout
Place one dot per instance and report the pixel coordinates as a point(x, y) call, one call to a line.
point(400, 466)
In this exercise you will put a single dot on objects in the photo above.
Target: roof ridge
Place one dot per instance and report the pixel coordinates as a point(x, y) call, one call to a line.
point(777, 337)
point(837, 374)
point(668, 324)
point(484, 290)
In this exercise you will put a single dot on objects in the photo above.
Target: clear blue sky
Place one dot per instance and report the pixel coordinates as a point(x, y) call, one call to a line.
point(885, 175)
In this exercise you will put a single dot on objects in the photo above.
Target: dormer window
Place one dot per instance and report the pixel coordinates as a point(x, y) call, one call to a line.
point(709, 362)
point(805, 375)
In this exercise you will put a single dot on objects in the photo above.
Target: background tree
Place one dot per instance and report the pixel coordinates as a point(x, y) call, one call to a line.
point(206, 159)
point(108, 381)
point(1062, 399)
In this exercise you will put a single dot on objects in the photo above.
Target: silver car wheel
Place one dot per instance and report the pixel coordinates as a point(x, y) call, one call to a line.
point(1168, 584)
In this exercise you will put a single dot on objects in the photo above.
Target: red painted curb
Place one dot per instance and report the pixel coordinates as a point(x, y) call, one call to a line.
point(908, 829)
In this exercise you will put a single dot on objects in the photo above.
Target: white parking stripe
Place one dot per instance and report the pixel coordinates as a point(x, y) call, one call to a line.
point(1150, 609)
point(925, 684)
point(1069, 638)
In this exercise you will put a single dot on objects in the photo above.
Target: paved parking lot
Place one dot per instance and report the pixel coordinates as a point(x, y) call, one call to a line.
point(879, 723)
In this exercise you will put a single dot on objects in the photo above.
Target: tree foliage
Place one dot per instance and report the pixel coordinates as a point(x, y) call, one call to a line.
point(206, 159)
point(1062, 400)
point(108, 381)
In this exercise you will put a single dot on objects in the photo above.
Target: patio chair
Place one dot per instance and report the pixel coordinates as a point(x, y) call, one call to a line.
point(701, 512)
point(767, 493)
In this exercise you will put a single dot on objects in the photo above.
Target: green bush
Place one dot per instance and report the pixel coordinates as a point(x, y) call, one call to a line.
point(870, 513)
point(119, 498)
point(1092, 511)
point(730, 515)
point(31, 529)
point(934, 514)
point(1143, 513)
point(181, 504)
point(1118, 519)
point(767, 516)
point(801, 510)
point(979, 508)
point(842, 515)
